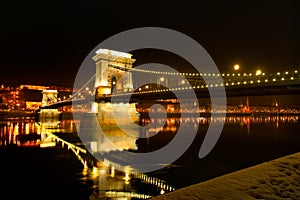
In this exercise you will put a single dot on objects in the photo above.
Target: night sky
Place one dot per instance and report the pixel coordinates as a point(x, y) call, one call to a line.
point(44, 42)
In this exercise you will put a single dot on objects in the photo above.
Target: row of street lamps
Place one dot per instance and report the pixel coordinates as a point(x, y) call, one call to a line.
point(236, 67)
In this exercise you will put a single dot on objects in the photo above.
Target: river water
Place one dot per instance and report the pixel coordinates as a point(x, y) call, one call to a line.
point(27, 170)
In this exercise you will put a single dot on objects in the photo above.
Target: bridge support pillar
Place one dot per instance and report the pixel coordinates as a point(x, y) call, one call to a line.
point(49, 114)
point(100, 132)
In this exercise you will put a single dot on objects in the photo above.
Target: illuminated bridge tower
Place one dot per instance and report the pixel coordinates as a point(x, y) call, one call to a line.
point(110, 67)
point(49, 96)
point(111, 74)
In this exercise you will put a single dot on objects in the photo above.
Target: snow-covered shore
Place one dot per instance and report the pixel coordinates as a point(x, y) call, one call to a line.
point(276, 179)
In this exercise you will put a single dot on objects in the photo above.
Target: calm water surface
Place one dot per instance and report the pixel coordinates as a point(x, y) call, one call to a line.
point(31, 171)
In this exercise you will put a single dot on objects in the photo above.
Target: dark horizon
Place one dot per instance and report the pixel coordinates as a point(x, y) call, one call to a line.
point(45, 43)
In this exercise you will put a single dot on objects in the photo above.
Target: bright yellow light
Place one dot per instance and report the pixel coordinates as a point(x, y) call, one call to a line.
point(258, 72)
point(236, 67)
point(127, 178)
point(95, 172)
point(112, 171)
point(85, 171)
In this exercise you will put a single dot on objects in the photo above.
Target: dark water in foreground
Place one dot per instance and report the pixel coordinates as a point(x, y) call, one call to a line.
point(28, 171)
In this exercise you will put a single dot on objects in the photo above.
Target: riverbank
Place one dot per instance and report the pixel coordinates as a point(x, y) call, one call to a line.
point(276, 179)
point(227, 114)
point(16, 113)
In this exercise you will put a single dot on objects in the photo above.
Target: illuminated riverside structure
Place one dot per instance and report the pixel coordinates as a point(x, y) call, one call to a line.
point(112, 65)
point(110, 183)
point(29, 97)
point(106, 178)
point(115, 80)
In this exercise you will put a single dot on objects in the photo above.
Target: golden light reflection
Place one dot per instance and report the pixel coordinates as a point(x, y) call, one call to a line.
point(119, 195)
point(16, 129)
point(27, 130)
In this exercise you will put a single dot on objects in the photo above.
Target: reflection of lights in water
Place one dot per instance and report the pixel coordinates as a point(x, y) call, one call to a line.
point(119, 195)
point(162, 191)
point(27, 129)
point(161, 184)
point(16, 129)
point(172, 123)
point(277, 122)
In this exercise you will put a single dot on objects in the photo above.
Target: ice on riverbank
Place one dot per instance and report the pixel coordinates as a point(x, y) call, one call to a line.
point(276, 179)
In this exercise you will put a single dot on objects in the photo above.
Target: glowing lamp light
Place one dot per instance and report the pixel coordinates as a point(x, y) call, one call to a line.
point(236, 67)
point(258, 72)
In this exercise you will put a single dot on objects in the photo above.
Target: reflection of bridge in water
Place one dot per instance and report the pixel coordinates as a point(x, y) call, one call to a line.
point(106, 174)
point(109, 169)
point(111, 182)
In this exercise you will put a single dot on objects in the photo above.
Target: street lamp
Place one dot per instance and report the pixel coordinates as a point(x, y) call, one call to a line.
point(236, 67)
point(258, 72)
